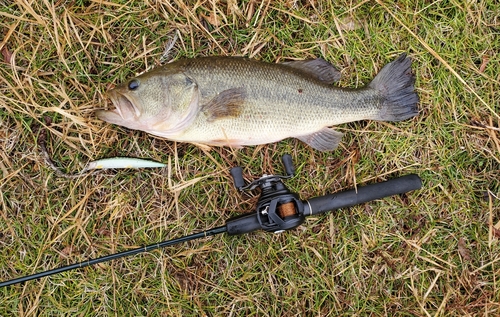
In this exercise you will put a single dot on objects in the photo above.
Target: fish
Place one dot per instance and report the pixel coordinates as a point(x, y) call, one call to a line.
point(236, 101)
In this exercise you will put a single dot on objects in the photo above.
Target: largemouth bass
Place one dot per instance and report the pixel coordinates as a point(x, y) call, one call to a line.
point(233, 101)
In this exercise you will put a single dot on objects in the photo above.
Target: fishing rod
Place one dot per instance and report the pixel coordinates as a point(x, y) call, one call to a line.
point(278, 209)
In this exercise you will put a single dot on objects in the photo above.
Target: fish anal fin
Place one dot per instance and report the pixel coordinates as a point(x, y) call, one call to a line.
point(317, 68)
point(325, 139)
point(227, 103)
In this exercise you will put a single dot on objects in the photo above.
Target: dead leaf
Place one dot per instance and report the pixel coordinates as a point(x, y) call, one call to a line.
point(496, 232)
point(349, 24)
point(463, 250)
point(67, 251)
point(212, 19)
point(103, 231)
point(486, 59)
point(7, 55)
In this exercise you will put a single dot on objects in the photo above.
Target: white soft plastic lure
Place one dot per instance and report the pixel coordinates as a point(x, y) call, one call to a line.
point(121, 162)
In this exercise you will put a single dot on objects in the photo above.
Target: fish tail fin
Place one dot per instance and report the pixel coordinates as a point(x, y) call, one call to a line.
point(394, 84)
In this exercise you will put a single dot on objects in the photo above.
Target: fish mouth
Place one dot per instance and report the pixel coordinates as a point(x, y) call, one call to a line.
point(124, 109)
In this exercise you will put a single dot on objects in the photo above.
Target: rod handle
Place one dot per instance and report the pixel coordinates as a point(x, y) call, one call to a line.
point(363, 194)
point(245, 223)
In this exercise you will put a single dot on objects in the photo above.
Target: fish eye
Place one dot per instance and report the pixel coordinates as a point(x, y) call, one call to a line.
point(133, 84)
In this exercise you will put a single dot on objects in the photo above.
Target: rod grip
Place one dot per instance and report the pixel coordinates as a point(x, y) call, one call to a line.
point(245, 223)
point(364, 194)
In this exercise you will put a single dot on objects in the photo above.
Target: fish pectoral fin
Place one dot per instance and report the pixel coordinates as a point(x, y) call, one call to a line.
point(318, 68)
point(325, 139)
point(227, 103)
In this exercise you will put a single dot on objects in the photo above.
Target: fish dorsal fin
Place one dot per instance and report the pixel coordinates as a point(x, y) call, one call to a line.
point(318, 68)
point(227, 103)
point(325, 139)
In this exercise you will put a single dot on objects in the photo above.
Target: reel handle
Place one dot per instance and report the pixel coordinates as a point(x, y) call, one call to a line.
point(239, 182)
point(237, 174)
point(288, 164)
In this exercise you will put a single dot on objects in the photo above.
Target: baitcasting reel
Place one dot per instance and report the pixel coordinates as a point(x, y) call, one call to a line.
point(278, 209)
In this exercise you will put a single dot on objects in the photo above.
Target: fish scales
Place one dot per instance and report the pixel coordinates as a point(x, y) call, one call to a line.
point(238, 101)
point(275, 91)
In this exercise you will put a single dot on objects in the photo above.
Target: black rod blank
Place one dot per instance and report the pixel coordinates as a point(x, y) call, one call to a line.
point(111, 257)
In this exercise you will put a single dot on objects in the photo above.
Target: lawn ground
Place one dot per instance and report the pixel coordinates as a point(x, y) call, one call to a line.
point(433, 252)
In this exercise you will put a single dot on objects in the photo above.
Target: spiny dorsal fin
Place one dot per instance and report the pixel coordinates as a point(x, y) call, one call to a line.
point(226, 104)
point(318, 68)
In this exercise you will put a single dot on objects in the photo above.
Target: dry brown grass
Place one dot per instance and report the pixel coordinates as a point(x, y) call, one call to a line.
point(429, 253)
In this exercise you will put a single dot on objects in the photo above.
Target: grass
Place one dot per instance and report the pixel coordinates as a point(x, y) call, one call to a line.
point(434, 252)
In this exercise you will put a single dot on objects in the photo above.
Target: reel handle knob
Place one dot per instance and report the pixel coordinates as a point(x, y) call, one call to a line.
point(288, 164)
point(237, 174)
